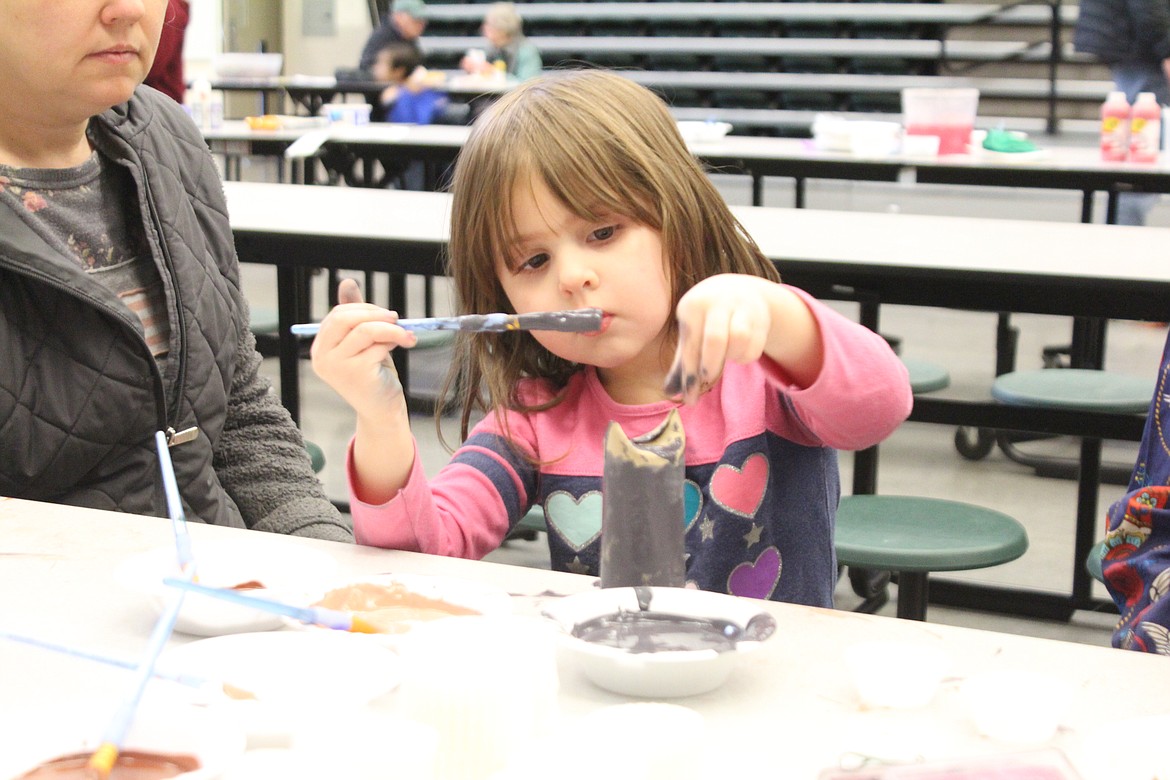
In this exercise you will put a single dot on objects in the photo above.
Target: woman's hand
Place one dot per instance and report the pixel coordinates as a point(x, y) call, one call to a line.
point(351, 353)
point(741, 318)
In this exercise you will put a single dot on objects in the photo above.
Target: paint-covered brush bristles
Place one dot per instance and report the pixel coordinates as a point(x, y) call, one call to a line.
point(569, 321)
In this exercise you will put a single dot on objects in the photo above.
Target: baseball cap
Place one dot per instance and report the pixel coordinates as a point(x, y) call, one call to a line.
point(415, 8)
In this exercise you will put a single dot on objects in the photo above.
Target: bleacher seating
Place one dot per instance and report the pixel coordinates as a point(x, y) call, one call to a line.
point(768, 67)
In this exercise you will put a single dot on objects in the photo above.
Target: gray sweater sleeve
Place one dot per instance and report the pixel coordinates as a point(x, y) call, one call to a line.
point(262, 462)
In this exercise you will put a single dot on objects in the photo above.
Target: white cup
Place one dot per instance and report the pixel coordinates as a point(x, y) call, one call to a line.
point(363, 744)
point(487, 685)
point(1016, 706)
point(896, 675)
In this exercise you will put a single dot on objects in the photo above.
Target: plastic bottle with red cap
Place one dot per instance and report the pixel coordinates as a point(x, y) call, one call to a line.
point(1145, 128)
point(1115, 121)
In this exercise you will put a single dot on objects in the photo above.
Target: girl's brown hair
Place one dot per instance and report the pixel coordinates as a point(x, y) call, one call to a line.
point(603, 145)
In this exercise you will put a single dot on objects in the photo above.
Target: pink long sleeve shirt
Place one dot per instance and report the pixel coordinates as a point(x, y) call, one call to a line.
point(761, 488)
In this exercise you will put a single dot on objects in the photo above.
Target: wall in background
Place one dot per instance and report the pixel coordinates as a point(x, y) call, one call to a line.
point(317, 55)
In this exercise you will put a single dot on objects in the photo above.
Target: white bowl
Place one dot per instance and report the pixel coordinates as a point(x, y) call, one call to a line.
point(239, 64)
point(658, 673)
point(283, 565)
point(162, 724)
point(874, 139)
point(897, 675)
point(698, 132)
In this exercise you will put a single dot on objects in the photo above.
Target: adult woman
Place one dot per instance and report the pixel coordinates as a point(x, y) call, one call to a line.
point(503, 28)
point(120, 305)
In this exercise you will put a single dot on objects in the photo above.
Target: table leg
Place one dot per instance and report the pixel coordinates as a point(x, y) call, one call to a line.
point(913, 594)
point(288, 295)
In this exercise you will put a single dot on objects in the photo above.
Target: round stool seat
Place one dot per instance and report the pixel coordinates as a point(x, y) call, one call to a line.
point(262, 320)
point(316, 456)
point(1093, 563)
point(912, 534)
point(926, 377)
point(1074, 388)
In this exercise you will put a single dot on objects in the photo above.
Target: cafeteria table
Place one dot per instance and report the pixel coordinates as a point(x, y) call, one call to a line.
point(788, 710)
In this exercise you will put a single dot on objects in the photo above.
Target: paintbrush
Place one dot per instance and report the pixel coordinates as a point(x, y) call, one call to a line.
point(101, 763)
point(317, 616)
point(571, 321)
point(189, 680)
point(174, 502)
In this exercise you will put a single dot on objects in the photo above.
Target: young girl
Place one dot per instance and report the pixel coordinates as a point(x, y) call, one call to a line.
point(576, 190)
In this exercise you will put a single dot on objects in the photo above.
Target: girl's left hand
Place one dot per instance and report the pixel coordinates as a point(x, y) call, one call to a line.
point(741, 318)
point(724, 317)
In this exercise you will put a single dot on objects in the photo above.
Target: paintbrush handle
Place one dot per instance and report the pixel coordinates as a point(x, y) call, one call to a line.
point(174, 501)
point(319, 616)
point(103, 759)
point(571, 321)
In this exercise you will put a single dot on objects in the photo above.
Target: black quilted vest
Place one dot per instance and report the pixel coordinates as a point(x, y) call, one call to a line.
point(80, 395)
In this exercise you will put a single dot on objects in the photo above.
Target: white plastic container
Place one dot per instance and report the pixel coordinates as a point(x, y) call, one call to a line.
point(347, 113)
point(946, 113)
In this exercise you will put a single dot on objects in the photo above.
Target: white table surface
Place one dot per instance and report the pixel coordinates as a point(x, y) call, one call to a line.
point(761, 149)
point(902, 241)
point(789, 710)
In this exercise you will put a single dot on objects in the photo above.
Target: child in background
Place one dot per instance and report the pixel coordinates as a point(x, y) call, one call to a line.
point(407, 98)
point(576, 190)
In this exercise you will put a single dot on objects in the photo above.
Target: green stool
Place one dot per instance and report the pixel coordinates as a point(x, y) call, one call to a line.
point(1087, 390)
point(316, 456)
point(1094, 564)
point(871, 585)
point(915, 536)
point(530, 525)
point(926, 377)
point(265, 326)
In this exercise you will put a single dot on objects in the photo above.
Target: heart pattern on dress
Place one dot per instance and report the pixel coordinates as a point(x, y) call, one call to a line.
point(740, 491)
point(692, 503)
point(576, 520)
point(758, 579)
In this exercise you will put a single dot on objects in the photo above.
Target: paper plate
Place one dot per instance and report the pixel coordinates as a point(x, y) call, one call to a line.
point(464, 595)
point(292, 674)
point(282, 565)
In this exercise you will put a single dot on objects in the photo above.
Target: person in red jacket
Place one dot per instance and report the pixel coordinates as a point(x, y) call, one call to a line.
point(166, 75)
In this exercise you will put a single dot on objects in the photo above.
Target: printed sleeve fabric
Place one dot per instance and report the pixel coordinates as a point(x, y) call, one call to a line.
point(761, 487)
point(1136, 559)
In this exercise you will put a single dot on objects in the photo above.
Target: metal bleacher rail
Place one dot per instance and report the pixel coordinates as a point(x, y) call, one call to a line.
point(768, 67)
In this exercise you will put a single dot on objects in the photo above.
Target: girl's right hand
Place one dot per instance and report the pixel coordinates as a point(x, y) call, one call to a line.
point(351, 353)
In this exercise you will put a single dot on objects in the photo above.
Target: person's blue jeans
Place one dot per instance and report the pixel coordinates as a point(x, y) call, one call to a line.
point(1132, 78)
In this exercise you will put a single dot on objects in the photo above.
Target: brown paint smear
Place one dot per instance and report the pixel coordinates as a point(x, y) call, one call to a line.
point(389, 607)
point(131, 765)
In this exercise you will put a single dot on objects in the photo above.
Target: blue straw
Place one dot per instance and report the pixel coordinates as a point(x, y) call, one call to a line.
point(182, 679)
point(106, 755)
point(174, 502)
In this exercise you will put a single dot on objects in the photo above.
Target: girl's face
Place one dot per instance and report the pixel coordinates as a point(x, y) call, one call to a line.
point(75, 57)
point(561, 261)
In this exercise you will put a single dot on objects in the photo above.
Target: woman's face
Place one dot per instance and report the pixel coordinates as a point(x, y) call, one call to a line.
point(495, 36)
point(75, 58)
